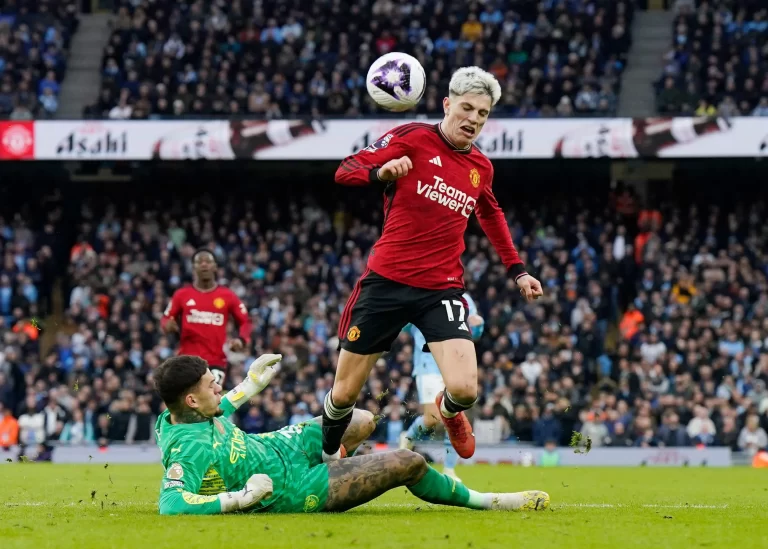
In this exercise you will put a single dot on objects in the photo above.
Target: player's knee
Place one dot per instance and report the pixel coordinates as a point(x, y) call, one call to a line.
point(463, 392)
point(414, 464)
point(367, 422)
point(343, 394)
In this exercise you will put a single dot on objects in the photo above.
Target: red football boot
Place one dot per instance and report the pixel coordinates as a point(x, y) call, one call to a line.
point(459, 431)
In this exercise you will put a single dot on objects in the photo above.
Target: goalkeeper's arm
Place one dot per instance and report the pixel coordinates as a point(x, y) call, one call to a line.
point(181, 502)
point(260, 373)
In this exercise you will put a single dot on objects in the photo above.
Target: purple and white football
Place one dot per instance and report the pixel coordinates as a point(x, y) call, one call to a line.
point(396, 81)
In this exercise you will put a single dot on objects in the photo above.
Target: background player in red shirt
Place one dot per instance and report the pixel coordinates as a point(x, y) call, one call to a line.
point(434, 179)
point(205, 309)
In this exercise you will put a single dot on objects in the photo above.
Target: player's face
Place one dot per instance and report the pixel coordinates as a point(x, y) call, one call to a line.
point(465, 117)
point(205, 266)
point(207, 396)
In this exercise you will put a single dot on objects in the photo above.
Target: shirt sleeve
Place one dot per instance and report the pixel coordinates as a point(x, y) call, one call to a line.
point(185, 466)
point(362, 167)
point(173, 310)
point(227, 407)
point(237, 309)
point(494, 225)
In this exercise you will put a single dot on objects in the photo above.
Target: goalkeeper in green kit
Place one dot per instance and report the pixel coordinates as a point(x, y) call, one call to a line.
point(213, 467)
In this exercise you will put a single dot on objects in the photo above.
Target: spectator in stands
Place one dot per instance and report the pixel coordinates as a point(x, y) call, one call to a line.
point(77, 430)
point(9, 428)
point(701, 429)
point(547, 427)
point(31, 424)
point(753, 438)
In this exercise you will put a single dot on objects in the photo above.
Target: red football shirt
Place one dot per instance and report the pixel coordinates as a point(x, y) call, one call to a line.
point(204, 317)
point(427, 211)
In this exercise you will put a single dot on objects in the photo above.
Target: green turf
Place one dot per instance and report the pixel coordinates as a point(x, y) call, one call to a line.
point(651, 508)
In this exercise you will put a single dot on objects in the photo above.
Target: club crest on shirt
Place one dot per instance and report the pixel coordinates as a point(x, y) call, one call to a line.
point(474, 177)
point(353, 334)
point(175, 472)
point(380, 144)
point(219, 303)
point(311, 503)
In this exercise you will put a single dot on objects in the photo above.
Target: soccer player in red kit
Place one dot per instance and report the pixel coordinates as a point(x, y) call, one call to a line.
point(205, 309)
point(434, 178)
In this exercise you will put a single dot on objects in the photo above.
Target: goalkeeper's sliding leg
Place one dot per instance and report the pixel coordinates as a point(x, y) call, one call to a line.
point(360, 479)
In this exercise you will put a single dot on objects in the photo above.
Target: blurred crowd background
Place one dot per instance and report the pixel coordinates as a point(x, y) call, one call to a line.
point(716, 63)
point(191, 58)
point(653, 331)
point(301, 57)
point(654, 328)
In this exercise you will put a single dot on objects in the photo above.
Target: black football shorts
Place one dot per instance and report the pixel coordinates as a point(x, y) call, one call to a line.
point(379, 309)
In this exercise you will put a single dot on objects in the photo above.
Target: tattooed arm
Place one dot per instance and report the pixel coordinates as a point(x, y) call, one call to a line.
point(357, 480)
point(359, 429)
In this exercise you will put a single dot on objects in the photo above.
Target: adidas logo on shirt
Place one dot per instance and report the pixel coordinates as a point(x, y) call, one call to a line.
point(191, 303)
point(436, 161)
point(464, 327)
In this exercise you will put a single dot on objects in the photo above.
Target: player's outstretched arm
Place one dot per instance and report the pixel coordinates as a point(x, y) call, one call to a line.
point(260, 373)
point(238, 310)
point(362, 168)
point(182, 502)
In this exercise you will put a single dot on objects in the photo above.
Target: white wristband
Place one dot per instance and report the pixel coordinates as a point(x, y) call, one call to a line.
point(230, 502)
point(242, 393)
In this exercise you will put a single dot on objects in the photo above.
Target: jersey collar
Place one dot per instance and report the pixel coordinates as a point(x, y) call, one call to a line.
point(448, 141)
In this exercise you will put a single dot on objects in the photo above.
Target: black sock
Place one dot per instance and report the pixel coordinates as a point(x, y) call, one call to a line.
point(335, 423)
point(455, 407)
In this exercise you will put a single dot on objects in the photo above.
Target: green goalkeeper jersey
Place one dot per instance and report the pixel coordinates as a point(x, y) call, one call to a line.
point(204, 459)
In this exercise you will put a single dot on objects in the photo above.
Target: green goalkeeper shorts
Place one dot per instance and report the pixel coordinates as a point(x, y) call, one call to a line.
point(305, 487)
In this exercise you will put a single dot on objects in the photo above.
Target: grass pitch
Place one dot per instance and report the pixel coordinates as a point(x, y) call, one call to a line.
point(93, 507)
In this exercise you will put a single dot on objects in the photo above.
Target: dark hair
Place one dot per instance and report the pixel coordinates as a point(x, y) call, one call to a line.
point(203, 251)
point(175, 377)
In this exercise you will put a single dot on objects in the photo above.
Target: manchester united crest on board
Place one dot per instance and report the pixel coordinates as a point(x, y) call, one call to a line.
point(353, 334)
point(219, 303)
point(474, 177)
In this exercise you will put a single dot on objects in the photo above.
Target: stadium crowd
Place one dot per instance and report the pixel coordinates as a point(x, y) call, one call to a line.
point(34, 41)
point(653, 331)
point(717, 60)
point(291, 58)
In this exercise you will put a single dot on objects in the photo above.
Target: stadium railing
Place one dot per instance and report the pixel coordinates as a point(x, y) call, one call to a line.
point(516, 454)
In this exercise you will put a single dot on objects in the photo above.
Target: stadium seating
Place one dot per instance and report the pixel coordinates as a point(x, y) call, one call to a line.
point(34, 40)
point(280, 59)
point(716, 63)
point(611, 351)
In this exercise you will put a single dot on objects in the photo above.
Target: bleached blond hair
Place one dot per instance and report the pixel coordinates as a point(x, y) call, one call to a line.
point(474, 80)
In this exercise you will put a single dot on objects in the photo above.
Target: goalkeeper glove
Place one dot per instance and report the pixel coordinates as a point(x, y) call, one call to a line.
point(260, 373)
point(257, 488)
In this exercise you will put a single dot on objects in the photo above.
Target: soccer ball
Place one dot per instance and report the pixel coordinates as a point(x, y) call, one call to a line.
point(396, 81)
